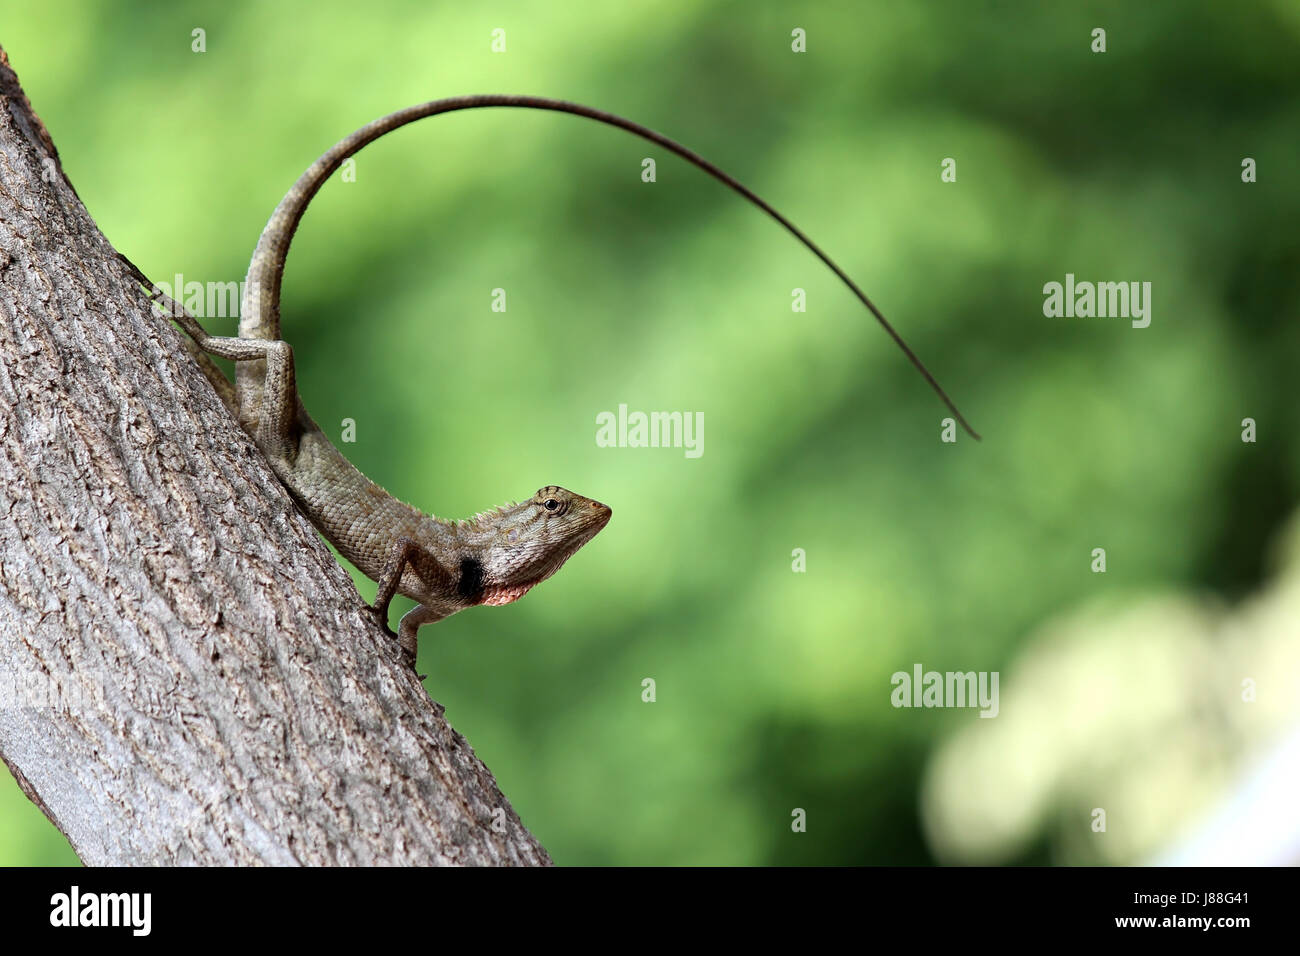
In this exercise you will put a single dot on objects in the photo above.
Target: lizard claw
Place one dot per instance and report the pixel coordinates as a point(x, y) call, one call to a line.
point(382, 618)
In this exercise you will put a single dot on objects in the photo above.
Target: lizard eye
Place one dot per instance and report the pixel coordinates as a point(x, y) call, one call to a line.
point(550, 504)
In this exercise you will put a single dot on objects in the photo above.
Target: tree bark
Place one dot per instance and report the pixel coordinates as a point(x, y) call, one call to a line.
point(187, 676)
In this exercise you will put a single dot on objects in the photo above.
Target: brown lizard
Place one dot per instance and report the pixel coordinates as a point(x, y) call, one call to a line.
point(446, 566)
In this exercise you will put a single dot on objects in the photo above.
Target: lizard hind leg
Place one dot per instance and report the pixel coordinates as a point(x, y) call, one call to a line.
point(277, 420)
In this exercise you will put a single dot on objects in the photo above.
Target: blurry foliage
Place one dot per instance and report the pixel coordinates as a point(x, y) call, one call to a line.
point(773, 687)
point(1151, 710)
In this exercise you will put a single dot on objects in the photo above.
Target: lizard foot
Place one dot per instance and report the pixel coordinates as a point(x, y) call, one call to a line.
point(382, 618)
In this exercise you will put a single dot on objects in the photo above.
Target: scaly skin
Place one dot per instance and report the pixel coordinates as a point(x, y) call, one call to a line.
point(494, 558)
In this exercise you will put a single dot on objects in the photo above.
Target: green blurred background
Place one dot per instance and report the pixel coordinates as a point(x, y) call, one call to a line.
point(773, 687)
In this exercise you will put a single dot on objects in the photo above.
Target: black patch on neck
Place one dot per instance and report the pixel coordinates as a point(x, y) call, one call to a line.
point(470, 585)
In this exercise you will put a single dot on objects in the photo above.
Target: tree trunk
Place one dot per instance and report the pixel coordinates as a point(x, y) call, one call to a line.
point(186, 673)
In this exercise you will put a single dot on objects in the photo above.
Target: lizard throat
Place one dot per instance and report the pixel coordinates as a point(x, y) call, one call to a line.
point(497, 596)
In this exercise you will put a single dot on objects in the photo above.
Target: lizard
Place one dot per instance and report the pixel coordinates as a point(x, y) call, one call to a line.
point(446, 566)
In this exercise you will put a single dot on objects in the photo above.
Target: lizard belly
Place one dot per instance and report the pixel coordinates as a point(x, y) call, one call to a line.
point(359, 517)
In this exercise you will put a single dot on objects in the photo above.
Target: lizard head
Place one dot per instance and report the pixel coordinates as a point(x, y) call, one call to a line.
point(535, 537)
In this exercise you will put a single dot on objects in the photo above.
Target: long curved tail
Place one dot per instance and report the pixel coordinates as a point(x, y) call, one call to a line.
point(260, 314)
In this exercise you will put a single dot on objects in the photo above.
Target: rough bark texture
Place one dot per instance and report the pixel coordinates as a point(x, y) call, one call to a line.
point(186, 673)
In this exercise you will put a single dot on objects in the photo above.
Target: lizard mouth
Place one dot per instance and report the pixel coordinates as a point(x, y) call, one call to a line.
point(603, 514)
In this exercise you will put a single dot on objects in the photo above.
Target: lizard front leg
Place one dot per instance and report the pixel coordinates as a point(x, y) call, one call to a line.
point(407, 627)
point(409, 552)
